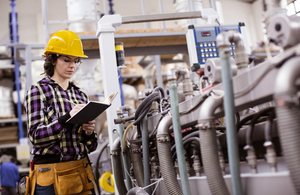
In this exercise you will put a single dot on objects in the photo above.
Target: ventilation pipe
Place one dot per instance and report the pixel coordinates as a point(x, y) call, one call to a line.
point(209, 148)
point(286, 95)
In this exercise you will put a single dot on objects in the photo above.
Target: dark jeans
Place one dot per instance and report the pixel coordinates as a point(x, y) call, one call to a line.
point(47, 190)
point(7, 190)
point(44, 190)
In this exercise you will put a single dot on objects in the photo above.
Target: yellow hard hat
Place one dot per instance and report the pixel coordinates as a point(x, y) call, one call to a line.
point(65, 42)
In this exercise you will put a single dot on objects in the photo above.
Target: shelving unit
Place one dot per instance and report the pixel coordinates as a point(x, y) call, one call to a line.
point(141, 42)
point(26, 60)
point(13, 120)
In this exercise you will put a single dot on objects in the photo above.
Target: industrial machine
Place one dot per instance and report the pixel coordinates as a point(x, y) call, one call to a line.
point(236, 134)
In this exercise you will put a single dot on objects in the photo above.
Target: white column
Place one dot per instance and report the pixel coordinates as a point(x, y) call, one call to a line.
point(105, 34)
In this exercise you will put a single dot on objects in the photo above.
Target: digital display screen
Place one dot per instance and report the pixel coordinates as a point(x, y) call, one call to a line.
point(205, 34)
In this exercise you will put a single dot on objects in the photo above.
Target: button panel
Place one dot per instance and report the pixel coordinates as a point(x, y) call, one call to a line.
point(205, 39)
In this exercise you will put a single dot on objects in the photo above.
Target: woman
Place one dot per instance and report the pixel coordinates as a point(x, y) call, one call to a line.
point(60, 149)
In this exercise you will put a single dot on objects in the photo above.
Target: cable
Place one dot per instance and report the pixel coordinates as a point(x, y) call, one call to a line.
point(249, 132)
point(244, 120)
point(192, 134)
point(125, 134)
point(269, 125)
point(146, 104)
point(161, 90)
point(187, 141)
point(143, 109)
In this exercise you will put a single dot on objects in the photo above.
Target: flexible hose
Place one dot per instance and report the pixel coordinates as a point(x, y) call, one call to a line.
point(167, 168)
point(161, 90)
point(165, 158)
point(289, 123)
point(250, 129)
point(137, 164)
point(117, 167)
point(192, 134)
point(286, 89)
point(211, 164)
point(209, 148)
point(145, 105)
point(269, 125)
point(244, 120)
point(125, 134)
point(186, 142)
point(143, 109)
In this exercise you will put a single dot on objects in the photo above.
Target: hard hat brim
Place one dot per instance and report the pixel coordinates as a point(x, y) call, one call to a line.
point(81, 56)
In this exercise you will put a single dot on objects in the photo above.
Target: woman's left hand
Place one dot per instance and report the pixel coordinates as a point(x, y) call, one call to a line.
point(89, 127)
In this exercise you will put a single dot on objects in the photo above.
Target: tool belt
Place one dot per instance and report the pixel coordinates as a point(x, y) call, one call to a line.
point(72, 177)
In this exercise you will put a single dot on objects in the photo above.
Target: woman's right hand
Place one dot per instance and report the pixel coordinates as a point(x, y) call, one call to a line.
point(76, 108)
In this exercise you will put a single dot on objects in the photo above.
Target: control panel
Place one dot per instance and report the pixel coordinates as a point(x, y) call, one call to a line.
point(202, 45)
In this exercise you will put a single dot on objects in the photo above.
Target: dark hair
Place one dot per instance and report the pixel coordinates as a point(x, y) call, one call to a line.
point(13, 159)
point(50, 60)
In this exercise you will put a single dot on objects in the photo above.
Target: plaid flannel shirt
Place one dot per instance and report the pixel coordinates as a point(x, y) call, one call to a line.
point(45, 103)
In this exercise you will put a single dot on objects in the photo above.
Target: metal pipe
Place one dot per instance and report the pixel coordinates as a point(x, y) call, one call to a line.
point(286, 96)
point(178, 136)
point(121, 89)
point(209, 148)
point(241, 57)
point(123, 143)
point(105, 6)
point(161, 17)
point(45, 20)
point(145, 144)
point(117, 167)
point(124, 156)
point(144, 13)
point(231, 133)
point(17, 71)
point(161, 10)
point(165, 158)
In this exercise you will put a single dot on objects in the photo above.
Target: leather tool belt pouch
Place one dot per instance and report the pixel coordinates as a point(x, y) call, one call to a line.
point(30, 183)
point(72, 177)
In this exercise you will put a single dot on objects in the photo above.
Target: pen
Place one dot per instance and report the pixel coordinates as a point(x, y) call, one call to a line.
point(74, 105)
point(71, 102)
